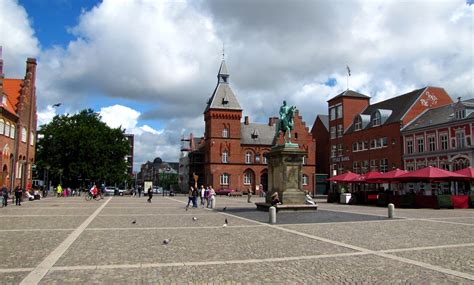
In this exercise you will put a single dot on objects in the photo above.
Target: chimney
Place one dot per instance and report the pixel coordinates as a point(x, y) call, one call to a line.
point(246, 120)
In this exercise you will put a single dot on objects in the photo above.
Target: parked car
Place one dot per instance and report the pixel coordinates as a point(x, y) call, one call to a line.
point(224, 191)
point(109, 190)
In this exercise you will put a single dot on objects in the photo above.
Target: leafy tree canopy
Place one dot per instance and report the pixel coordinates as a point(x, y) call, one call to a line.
point(82, 148)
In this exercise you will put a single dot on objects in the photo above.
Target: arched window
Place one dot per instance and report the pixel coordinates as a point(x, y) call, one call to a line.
point(304, 159)
point(225, 157)
point(225, 132)
point(12, 131)
point(2, 126)
point(225, 179)
point(248, 178)
point(248, 157)
point(265, 160)
point(305, 179)
point(7, 129)
point(23, 134)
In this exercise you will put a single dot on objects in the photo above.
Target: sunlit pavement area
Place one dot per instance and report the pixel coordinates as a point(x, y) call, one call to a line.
point(119, 240)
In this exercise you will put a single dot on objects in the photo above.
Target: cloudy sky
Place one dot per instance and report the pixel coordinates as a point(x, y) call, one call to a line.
point(150, 66)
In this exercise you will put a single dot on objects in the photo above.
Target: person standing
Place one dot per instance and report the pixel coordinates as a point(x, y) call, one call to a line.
point(5, 195)
point(190, 196)
point(212, 198)
point(202, 193)
point(18, 194)
point(139, 191)
point(249, 195)
point(150, 194)
point(59, 190)
point(195, 195)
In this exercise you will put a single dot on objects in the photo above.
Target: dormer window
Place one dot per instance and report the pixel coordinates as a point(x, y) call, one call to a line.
point(225, 100)
point(376, 119)
point(4, 99)
point(358, 123)
point(255, 134)
point(460, 114)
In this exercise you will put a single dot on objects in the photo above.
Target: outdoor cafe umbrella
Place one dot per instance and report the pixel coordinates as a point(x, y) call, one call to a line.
point(391, 175)
point(468, 172)
point(345, 177)
point(432, 174)
point(369, 177)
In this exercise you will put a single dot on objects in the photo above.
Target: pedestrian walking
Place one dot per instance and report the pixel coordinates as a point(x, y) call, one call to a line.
point(206, 196)
point(59, 190)
point(139, 191)
point(202, 193)
point(195, 195)
point(5, 195)
point(18, 194)
point(190, 196)
point(150, 194)
point(249, 196)
point(211, 198)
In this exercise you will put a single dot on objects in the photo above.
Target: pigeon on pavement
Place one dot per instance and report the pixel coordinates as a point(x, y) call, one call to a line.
point(166, 241)
point(225, 208)
point(195, 219)
point(134, 221)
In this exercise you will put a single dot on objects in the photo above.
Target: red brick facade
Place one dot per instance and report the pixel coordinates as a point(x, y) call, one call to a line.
point(18, 127)
point(321, 135)
point(376, 146)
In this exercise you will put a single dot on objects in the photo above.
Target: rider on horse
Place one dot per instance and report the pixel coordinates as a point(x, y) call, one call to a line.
point(286, 122)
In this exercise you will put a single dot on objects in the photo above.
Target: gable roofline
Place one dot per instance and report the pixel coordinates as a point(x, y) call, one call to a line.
point(350, 93)
point(413, 104)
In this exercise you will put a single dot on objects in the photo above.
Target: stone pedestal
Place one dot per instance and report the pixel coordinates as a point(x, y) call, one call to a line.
point(285, 169)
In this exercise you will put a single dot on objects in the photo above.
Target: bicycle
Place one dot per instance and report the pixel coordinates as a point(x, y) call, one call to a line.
point(89, 196)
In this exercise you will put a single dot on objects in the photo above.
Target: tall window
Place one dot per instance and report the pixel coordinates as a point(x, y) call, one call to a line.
point(2, 126)
point(373, 165)
point(248, 157)
point(265, 161)
point(225, 157)
point(247, 178)
point(421, 144)
point(460, 114)
point(333, 150)
point(340, 149)
point(409, 146)
point(444, 141)
point(304, 159)
point(376, 119)
point(12, 131)
point(432, 143)
point(339, 130)
point(305, 179)
point(333, 132)
point(225, 132)
point(358, 123)
point(332, 113)
point(339, 111)
point(7, 129)
point(225, 179)
point(23, 134)
point(460, 139)
point(32, 138)
point(384, 165)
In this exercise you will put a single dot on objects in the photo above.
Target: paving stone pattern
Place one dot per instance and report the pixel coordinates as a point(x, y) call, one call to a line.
point(337, 244)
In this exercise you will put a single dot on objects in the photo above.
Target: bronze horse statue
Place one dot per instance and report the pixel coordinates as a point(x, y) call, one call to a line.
point(286, 124)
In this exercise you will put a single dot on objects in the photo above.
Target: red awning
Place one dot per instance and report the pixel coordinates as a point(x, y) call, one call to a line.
point(369, 177)
point(431, 173)
point(345, 177)
point(468, 172)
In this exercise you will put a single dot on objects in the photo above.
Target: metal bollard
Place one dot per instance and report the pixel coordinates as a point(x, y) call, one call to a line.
point(272, 213)
point(391, 211)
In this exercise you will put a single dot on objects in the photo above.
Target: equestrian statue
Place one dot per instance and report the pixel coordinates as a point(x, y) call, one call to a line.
point(286, 122)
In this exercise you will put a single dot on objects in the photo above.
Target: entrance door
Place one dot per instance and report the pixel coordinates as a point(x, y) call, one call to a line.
point(264, 181)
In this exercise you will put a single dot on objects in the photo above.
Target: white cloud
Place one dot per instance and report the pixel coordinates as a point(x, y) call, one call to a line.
point(46, 116)
point(17, 38)
point(119, 116)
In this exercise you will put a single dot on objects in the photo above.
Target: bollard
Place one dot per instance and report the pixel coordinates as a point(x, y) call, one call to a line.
point(272, 213)
point(391, 211)
point(213, 203)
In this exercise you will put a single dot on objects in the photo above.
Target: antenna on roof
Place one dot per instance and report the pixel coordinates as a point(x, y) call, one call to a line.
point(348, 75)
point(1, 61)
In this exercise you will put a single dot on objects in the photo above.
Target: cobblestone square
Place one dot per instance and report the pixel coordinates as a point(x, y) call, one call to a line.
point(119, 240)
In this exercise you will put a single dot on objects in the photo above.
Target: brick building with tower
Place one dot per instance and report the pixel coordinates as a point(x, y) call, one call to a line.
point(18, 127)
point(232, 153)
point(365, 137)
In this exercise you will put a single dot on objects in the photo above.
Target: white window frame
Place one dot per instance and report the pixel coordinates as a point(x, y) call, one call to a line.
point(431, 143)
point(339, 111)
point(224, 179)
point(23, 134)
point(7, 129)
point(32, 139)
point(410, 148)
point(247, 178)
point(305, 179)
point(333, 132)
point(460, 138)
point(383, 165)
point(332, 113)
point(358, 123)
point(225, 132)
point(333, 150)
point(340, 131)
point(2, 126)
point(265, 160)
point(420, 147)
point(248, 157)
point(444, 141)
point(376, 119)
point(225, 157)
point(12, 131)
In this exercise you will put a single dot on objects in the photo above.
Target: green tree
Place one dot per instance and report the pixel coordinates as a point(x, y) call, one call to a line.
point(81, 148)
